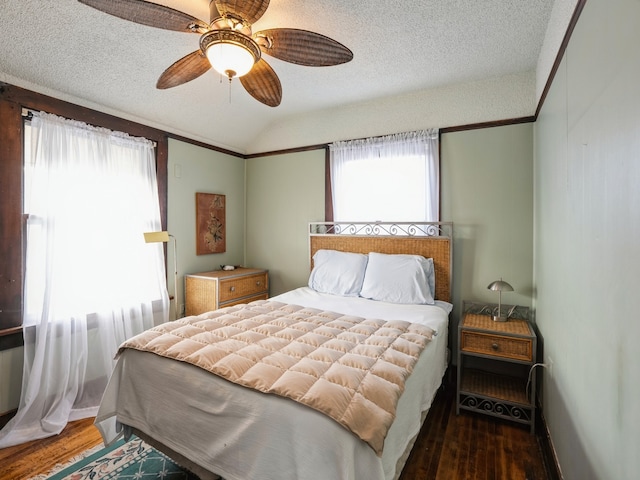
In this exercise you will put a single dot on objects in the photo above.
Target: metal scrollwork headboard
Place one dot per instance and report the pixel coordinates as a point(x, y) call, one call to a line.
point(429, 239)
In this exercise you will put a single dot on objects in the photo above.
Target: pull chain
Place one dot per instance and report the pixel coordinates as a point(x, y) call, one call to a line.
point(230, 77)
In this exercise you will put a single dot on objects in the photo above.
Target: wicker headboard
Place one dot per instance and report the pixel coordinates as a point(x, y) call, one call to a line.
point(431, 240)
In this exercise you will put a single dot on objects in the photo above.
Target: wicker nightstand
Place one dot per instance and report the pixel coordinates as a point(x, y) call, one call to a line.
point(494, 360)
point(208, 291)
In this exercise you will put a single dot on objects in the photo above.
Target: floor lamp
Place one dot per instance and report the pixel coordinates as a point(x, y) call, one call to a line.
point(163, 237)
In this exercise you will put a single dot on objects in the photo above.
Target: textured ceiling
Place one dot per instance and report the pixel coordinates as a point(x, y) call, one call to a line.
point(68, 50)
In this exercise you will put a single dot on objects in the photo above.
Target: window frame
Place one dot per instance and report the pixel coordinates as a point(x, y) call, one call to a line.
point(328, 194)
point(13, 100)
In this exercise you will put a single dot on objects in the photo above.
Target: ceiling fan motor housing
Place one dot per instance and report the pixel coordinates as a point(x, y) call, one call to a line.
point(213, 11)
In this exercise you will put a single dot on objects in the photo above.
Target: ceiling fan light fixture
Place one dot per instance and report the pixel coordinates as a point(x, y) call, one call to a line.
point(230, 53)
point(228, 44)
point(230, 59)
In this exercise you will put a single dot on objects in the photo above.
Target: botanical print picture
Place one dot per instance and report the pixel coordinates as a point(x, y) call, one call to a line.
point(210, 223)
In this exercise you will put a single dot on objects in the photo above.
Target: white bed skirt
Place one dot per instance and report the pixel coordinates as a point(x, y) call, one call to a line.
point(241, 434)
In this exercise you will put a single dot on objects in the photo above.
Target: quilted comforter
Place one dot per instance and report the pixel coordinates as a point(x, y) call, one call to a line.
point(349, 368)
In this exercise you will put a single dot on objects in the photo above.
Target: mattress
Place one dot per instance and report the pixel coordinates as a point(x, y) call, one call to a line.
point(242, 434)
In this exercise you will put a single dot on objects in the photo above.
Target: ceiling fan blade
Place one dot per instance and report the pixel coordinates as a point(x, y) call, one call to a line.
point(302, 47)
point(249, 10)
point(151, 14)
point(263, 84)
point(184, 70)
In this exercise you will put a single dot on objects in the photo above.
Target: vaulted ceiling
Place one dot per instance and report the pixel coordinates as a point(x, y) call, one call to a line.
point(73, 52)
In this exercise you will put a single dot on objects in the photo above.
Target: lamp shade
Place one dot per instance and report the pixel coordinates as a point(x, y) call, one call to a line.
point(500, 286)
point(155, 237)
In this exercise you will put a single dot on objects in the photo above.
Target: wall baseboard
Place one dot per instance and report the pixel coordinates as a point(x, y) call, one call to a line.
point(5, 417)
point(546, 446)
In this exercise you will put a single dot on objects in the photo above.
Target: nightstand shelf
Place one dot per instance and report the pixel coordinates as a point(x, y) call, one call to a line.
point(494, 360)
point(501, 387)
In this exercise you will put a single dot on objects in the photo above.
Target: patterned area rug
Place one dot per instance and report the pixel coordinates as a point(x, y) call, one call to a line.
point(131, 460)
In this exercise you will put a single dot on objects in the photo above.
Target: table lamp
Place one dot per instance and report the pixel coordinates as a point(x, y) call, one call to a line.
point(500, 286)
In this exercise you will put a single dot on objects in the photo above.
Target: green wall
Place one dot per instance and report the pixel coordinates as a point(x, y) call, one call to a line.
point(486, 191)
point(194, 169)
point(587, 245)
point(284, 194)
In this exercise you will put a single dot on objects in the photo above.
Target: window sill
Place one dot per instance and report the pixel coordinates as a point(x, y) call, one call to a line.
point(11, 338)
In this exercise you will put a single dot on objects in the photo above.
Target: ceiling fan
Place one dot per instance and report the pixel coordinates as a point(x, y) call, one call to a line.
point(228, 44)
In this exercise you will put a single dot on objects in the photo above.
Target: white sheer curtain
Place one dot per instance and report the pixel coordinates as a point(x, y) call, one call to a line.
point(390, 178)
point(91, 281)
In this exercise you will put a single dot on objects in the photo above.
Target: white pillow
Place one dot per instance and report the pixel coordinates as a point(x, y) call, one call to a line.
point(398, 279)
point(339, 273)
point(431, 276)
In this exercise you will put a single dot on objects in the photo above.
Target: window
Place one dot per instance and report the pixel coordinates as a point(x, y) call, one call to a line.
point(392, 178)
point(91, 281)
point(13, 102)
point(89, 194)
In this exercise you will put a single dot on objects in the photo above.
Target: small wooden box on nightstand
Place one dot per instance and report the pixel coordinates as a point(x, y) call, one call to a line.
point(208, 291)
point(494, 361)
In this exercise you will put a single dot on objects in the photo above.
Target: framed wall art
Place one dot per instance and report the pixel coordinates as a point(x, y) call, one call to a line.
point(210, 223)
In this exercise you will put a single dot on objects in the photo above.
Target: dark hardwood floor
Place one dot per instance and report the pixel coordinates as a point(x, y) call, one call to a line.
point(464, 447)
point(471, 446)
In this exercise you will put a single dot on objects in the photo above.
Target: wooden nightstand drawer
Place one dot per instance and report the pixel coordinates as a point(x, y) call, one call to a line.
point(208, 291)
point(233, 288)
point(497, 346)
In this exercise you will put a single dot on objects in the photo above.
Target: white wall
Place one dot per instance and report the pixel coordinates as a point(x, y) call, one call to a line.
point(491, 99)
point(587, 245)
point(559, 20)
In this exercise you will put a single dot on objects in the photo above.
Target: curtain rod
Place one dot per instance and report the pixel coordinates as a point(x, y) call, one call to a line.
point(27, 114)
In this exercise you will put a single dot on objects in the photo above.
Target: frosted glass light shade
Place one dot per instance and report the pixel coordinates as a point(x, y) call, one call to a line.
point(230, 59)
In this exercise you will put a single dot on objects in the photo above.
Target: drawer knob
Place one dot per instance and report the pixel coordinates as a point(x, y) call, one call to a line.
point(258, 283)
point(233, 289)
point(494, 346)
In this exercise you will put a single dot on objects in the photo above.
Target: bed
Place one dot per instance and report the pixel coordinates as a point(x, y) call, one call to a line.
point(214, 426)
